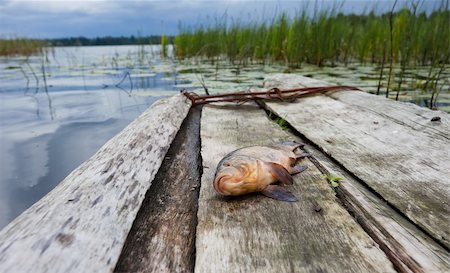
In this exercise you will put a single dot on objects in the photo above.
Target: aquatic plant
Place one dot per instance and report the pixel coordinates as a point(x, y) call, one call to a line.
point(21, 46)
point(396, 42)
point(164, 42)
point(391, 48)
point(325, 38)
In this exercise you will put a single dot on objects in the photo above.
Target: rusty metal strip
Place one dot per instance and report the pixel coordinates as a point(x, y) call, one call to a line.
point(271, 94)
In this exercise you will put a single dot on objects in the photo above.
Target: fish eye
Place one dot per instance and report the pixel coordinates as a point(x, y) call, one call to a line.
point(226, 164)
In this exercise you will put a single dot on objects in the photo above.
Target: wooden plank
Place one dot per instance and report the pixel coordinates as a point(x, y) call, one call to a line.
point(257, 234)
point(408, 114)
point(404, 160)
point(408, 248)
point(81, 225)
point(162, 238)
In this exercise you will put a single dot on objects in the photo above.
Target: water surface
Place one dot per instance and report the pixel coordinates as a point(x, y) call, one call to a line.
point(58, 110)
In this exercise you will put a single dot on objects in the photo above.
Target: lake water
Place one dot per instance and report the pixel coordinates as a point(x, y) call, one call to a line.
point(58, 110)
point(49, 127)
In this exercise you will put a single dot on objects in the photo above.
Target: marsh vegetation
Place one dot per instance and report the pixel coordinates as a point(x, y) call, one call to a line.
point(398, 44)
point(21, 46)
point(328, 37)
point(13, 46)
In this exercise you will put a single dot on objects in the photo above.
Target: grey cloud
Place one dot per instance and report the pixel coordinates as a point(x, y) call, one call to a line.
point(45, 19)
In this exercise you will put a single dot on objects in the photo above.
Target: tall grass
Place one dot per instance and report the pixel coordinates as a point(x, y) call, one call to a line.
point(325, 38)
point(21, 46)
point(164, 41)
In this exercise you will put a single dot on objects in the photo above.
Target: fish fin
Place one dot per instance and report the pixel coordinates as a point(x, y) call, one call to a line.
point(280, 173)
point(287, 145)
point(302, 155)
point(279, 193)
point(294, 144)
point(298, 169)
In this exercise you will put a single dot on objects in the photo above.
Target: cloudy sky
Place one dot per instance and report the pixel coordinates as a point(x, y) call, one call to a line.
point(92, 18)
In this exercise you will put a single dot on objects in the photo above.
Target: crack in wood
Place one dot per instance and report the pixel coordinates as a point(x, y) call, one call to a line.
point(163, 234)
point(396, 252)
point(256, 233)
point(397, 255)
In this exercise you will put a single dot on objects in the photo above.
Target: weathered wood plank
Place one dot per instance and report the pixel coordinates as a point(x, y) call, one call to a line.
point(256, 234)
point(162, 238)
point(409, 249)
point(82, 224)
point(405, 160)
point(408, 114)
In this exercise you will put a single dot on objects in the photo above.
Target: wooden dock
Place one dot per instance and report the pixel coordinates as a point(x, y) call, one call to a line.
point(145, 202)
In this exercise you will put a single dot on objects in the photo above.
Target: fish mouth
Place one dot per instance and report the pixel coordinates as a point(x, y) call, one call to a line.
point(220, 183)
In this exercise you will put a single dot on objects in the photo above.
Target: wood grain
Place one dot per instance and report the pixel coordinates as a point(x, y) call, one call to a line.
point(82, 224)
point(399, 153)
point(408, 248)
point(254, 233)
point(162, 238)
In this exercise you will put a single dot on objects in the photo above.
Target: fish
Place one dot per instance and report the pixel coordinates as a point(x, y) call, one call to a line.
point(257, 168)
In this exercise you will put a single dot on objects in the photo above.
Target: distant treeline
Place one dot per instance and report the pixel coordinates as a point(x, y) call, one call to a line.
point(108, 40)
point(26, 46)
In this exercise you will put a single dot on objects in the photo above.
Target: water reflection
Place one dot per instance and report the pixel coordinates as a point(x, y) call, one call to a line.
point(38, 153)
point(42, 162)
point(56, 111)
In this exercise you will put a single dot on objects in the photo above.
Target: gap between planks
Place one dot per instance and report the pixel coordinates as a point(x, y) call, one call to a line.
point(254, 233)
point(403, 158)
point(82, 224)
point(162, 238)
point(408, 247)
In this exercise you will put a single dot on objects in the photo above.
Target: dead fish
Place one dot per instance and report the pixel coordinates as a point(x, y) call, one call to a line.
point(257, 168)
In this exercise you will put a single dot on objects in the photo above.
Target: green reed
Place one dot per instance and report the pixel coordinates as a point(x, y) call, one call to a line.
point(164, 42)
point(21, 46)
point(396, 43)
point(326, 38)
